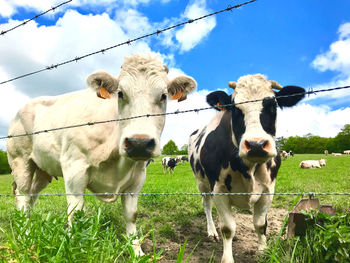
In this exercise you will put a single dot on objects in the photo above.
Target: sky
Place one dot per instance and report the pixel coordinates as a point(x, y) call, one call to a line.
point(302, 42)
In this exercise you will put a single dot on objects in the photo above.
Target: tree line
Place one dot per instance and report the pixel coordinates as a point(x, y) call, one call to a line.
point(316, 144)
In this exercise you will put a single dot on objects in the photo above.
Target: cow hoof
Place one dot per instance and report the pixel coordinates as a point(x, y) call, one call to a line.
point(214, 238)
point(261, 247)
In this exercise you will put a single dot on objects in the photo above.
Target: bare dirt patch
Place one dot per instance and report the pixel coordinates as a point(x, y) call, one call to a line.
point(244, 246)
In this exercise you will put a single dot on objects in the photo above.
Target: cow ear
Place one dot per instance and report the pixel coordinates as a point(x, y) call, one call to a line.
point(217, 98)
point(289, 96)
point(103, 83)
point(179, 87)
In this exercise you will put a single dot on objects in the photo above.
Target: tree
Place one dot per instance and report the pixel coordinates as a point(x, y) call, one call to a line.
point(170, 148)
point(183, 150)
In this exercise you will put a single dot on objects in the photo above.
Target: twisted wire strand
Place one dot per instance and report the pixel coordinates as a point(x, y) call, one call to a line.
point(33, 18)
point(160, 114)
point(128, 42)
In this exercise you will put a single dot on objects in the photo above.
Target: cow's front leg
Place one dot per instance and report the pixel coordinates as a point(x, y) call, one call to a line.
point(227, 226)
point(130, 215)
point(129, 203)
point(75, 181)
point(260, 219)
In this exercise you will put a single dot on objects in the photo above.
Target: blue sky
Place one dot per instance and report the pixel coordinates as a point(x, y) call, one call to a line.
point(300, 42)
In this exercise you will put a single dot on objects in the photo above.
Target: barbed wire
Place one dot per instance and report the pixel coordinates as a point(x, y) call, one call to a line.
point(128, 42)
point(310, 194)
point(162, 114)
point(33, 18)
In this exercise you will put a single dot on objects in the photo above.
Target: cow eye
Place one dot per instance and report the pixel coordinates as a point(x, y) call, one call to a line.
point(163, 97)
point(120, 95)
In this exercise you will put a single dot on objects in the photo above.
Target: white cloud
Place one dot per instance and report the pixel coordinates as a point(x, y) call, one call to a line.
point(191, 34)
point(317, 120)
point(337, 58)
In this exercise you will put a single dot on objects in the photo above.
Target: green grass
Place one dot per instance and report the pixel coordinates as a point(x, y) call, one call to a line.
point(165, 218)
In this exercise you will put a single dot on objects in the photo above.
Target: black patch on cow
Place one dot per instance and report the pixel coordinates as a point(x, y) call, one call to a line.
point(274, 169)
point(199, 168)
point(268, 115)
point(218, 98)
point(218, 152)
point(226, 232)
point(238, 124)
point(265, 227)
point(191, 162)
point(193, 133)
point(199, 139)
point(285, 100)
point(228, 182)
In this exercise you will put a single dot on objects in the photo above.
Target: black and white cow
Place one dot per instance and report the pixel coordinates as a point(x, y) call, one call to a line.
point(169, 164)
point(236, 152)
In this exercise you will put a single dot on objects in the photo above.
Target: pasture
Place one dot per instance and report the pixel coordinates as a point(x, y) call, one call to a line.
point(170, 225)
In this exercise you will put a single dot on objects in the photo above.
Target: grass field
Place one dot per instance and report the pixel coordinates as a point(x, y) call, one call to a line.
point(165, 221)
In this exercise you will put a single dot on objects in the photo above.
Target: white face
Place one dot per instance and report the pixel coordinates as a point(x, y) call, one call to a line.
point(139, 94)
point(258, 122)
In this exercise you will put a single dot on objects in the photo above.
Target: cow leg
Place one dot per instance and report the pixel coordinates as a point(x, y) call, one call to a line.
point(227, 226)
point(207, 205)
point(129, 203)
point(260, 219)
point(40, 181)
point(130, 216)
point(75, 181)
point(22, 171)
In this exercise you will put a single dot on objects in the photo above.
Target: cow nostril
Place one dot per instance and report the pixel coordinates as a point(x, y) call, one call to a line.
point(127, 143)
point(264, 143)
point(247, 145)
point(151, 144)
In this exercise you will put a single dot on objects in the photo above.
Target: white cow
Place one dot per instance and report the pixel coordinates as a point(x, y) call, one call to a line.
point(108, 157)
point(312, 163)
point(336, 154)
point(347, 152)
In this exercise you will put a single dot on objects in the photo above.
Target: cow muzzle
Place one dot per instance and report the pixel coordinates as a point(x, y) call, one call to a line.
point(256, 150)
point(139, 147)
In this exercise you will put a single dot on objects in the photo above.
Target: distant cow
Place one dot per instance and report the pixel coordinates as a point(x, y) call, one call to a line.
point(284, 155)
point(326, 152)
point(236, 152)
point(312, 164)
point(184, 159)
point(347, 152)
point(108, 157)
point(169, 163)
point(291, 153)
point(336, 154)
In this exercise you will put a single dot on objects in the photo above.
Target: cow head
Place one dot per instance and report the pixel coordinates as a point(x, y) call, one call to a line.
point(141, 88)
point(254, 123)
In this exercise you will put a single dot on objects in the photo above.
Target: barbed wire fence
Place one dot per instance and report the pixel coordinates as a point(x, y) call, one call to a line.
point(128, 42)
point(3, 32)
point(91, 123)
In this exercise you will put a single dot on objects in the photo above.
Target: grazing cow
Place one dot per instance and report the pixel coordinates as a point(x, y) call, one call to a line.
point(336, 154)
point(184, 159)
point(347, 152)
point(290, 153)
point(169, 163)
point(312, 164)
point(179, 158)
point(326, 152)
point(284, 155)
point(236, 152)
point(109, 157)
